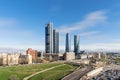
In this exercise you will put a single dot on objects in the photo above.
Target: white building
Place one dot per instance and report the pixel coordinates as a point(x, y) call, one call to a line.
point(69, 56)
point(84, 56)
point(12, 59)
point(95, 72)
point(29, 59)
point(3, 59)
point(9, 59)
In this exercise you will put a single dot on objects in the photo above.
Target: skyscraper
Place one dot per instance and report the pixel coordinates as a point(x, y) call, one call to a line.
point(68, 45)
point(49, 38)
point(76, 44)
point(55, 41)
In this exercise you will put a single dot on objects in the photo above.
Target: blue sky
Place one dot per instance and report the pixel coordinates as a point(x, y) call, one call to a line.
point(22, 23)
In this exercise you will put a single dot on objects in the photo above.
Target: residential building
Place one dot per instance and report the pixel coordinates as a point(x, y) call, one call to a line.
point(29, 57)
point(12, 59)
point(3, 59)
point(9, 59)
point(25, 59)
point(34, 53)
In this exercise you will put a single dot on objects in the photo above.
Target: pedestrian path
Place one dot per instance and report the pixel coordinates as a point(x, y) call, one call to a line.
point(28, 77)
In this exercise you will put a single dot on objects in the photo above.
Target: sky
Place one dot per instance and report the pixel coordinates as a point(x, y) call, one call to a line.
point(22, 23)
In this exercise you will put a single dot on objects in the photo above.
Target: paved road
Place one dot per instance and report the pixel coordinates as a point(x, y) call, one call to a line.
point(76, 75)
point(26, 78)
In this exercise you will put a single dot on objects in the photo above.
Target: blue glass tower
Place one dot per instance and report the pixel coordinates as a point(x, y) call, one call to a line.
point(55, 41)
point(49, 38)
point(68, 45)
point(76, 44)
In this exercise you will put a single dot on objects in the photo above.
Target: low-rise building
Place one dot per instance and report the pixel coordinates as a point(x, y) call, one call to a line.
point(69, 56)
point(25, 59)
point(29, 59)
point(95, 72)
point(12, 59)
point(3, 59)
point(83, 56)
point(51, 57)
point(34, 53)
point(9, 59)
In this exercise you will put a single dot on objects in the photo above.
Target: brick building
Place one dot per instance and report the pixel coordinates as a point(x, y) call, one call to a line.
point(34, 53)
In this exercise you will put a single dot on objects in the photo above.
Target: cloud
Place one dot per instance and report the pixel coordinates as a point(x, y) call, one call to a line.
point(90, 20)
point(104, 46)
point(5, 22)
point(88, 33)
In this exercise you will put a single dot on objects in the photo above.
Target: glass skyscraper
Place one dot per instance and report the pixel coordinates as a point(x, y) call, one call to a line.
point(68, 45)
point(49, 38)
point(55, 41)
point(76, 44)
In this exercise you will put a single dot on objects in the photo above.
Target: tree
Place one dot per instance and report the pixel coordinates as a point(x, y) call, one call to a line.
point(1, 61)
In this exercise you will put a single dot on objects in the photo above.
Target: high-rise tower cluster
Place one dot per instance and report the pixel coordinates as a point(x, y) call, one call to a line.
point(76, 43)
point(51, 39)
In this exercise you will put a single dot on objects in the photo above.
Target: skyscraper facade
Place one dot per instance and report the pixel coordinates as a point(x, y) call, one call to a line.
point(76, 44)
point(68, 45)
point(49, 38)
point(55, 41)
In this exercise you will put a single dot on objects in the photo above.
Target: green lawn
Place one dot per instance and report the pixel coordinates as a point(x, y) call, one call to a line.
point(24, 70)
point(54, 74)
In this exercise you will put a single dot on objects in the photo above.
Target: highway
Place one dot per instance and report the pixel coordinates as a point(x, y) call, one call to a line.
point(76, 75)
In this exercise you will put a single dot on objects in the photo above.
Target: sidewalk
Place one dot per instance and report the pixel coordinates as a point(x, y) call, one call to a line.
point(26, 78)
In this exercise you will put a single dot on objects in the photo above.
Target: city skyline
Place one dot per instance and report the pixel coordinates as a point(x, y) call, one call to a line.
point(96, 22)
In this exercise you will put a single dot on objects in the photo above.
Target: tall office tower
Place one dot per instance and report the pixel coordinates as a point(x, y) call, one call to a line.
point(68, 45)
point(76, 44)
point(55, 41)
point(49, 38)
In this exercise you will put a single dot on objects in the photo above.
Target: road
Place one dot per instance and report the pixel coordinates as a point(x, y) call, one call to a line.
point(76, 75)
point(28, 77)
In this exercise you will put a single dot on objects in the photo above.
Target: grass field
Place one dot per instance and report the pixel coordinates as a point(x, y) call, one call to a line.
point(54, 74)
point(24, 70)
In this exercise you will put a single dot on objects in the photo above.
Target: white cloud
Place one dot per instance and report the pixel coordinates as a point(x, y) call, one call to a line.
point(90, 20)
point(88, 33)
